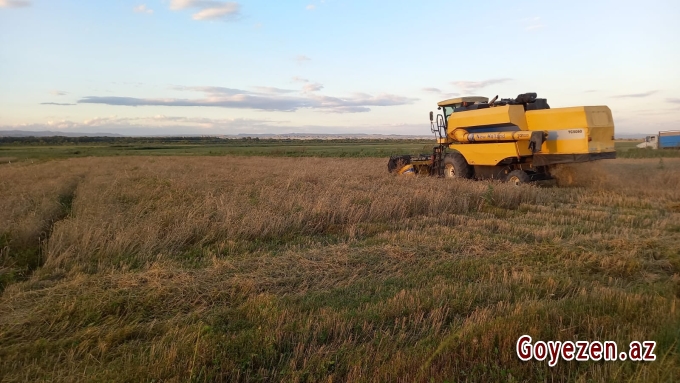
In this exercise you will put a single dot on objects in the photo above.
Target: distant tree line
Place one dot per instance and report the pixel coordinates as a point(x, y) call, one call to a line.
point(240, 141)
point(61, 140)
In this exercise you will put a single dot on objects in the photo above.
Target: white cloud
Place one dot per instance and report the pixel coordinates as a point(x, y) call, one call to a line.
point(311, 7)
point(58, 93)
point(273, 90)
point(215, 13)
point(178, 125)
point(160, 121)
point(359, 102)
point(440, 92)
point(432, 90)
point(349, 109)
point(312, 87)
point(14, 3)
point(208, 9)
point(308, 85)
point(213, 90)
point(184, 4)
point(142, 8)
point(154, 125)
point(271, 100)
point(636, 95)
point(299, 79)
point(470, 87)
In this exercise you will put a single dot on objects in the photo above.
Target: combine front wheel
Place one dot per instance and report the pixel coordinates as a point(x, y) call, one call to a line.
point(517, 177)
point(455, 166)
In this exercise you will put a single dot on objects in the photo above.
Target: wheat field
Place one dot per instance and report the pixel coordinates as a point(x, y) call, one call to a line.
point(251, 269)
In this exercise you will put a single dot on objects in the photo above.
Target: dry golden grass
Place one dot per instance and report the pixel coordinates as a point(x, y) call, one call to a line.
point(270, 269)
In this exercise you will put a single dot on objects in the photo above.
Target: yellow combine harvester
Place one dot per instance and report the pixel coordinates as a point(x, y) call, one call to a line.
point(516, 140)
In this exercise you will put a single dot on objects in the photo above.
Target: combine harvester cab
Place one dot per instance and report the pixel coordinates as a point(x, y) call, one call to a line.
point(669, 139)
point(650, 142)
point(516, 140)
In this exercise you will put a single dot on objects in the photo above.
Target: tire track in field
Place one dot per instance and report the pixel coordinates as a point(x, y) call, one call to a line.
point(20, 259)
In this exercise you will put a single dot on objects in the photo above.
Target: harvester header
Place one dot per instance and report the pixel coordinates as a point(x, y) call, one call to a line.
point(517, 140)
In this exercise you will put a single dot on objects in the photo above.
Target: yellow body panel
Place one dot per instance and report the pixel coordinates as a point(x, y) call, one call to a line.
point(575, 130)
point(489, 135)
point(566, 141)
point(508, 114)
point(462, 135)
point(602, 139)
point(556, 119)
point(491, 153)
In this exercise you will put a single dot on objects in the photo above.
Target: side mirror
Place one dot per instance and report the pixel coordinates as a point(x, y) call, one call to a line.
point(431, 116)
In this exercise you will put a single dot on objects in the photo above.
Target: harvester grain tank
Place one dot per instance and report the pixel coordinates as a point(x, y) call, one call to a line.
point(516, 140)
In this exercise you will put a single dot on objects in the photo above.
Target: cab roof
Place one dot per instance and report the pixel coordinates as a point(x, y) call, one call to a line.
point(460, 100)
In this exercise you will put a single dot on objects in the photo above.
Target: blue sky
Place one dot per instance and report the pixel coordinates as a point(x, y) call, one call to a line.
point(326, 66)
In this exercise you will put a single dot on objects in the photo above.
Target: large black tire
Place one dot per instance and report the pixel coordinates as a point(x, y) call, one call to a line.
point(517, 177)
point(455, 166)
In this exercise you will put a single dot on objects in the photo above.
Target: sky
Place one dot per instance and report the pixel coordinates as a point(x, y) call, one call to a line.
point(157, 67)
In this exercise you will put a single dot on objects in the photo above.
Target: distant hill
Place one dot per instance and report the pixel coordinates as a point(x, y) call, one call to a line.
point(298, 136)
point(330, 136)
point(50, 133)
